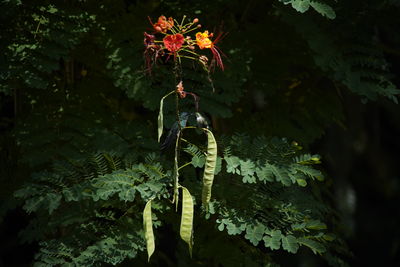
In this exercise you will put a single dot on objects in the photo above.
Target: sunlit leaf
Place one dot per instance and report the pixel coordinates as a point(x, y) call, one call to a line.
point(273, 241)
point(315, 246)
point(255, 233)
point(289, 243)
point(324, 9)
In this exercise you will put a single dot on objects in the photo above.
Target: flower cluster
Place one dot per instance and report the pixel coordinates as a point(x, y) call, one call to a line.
point(178, 43)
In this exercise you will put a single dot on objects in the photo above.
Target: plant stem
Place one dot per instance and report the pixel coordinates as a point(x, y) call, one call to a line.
point(184, 165)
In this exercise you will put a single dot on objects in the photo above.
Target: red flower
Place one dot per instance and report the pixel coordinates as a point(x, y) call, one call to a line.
point(173, 42)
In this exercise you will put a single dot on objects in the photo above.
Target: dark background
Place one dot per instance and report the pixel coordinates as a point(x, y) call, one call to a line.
point(292, 89)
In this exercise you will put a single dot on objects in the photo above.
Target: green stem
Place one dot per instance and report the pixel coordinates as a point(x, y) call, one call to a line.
point(173, 31)
point(183, 19)
point(170, 93)
point(189, 57)
point(191, 127)
point(175, 198)
point(192, 29)
point(184, 165)
point(178, 77)
point(189, 51)
point(186, 141)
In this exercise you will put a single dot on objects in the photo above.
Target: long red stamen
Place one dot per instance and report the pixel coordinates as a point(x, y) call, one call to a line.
point(151, 22)
point(219, 37)
point(217, 57)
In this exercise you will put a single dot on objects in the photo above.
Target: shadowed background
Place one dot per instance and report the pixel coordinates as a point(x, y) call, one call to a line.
point(321, 73)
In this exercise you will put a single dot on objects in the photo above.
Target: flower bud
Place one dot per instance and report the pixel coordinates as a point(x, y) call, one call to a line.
point(195, 20)
point(199, 26)
point(203, 59)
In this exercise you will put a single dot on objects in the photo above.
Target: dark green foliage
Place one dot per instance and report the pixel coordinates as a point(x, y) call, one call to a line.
point(361, 66)
point(96, 212)
point(272, 209)
point(45, 35)
point(82, 129)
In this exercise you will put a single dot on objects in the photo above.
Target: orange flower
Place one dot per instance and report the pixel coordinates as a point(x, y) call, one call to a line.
point(163, 25)
point(203, 40)
point(173, 42)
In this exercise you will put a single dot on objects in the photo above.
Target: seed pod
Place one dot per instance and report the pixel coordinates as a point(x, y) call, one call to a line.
point(186, 230)
point(148, 229)
point(209, 170)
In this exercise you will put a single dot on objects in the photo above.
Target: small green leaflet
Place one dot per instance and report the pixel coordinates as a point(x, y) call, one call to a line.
point(232, 164)
point(247, 170)
point(301, 5)
point(186, 230)
point(255, 233)
point(301, 182)
point(315, 246)
point(148, 229)
point(316, 225)
point(304, 5)
point(289, 243)
point(198, 162)
point(264, 173)
point(274, 240)
point(324, 10)
point(280, 175)
point(329, 237)
point(233, 228)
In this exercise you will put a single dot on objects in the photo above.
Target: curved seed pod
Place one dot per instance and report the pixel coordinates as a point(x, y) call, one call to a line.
point(148, 229)
point(160, 119)
point(161, 116)
point(186, 230)
point(209, 170)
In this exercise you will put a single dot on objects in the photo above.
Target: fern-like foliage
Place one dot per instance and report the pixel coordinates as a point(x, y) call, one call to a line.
point(84, 126)
point(274, 205)
point(97, 213)
point(91, 208)
point(359, 63)
point(46, 35)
